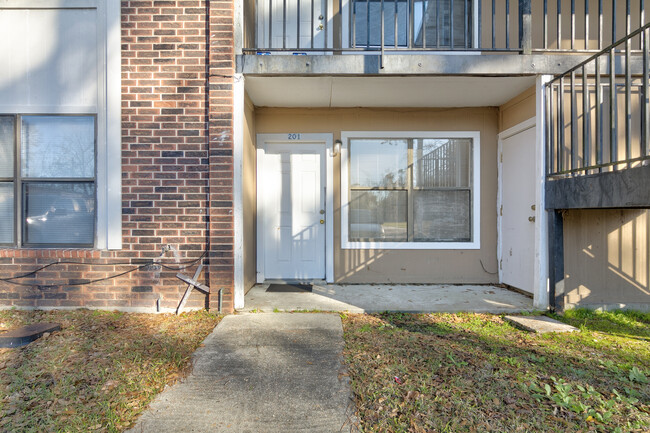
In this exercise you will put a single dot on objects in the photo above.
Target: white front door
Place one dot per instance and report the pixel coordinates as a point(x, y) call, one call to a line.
point(292, 210)
point(518, 212)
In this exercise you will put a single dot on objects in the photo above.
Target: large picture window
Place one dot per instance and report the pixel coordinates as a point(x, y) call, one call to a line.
point(417, 190)
point(47, 180)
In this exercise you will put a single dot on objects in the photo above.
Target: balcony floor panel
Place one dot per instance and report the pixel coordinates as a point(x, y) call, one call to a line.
point(409, 64)
point(384, 91)
point(627, 188)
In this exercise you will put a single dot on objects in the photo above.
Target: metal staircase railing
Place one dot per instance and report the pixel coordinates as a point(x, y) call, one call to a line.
point(597, 113)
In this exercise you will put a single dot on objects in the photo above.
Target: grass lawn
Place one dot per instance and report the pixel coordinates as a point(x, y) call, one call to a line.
point(476, 373)
point(98, 372)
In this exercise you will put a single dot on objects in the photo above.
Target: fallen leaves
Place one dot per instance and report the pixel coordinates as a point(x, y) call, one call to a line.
point(465, 373)
point(98, 372)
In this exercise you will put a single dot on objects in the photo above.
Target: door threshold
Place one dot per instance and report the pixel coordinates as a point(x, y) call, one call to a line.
point(314, 281)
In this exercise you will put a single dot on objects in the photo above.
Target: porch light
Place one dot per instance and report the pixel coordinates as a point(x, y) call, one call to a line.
point(337, 147)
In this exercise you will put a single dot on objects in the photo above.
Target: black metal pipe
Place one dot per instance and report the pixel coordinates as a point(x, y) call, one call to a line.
point(559, 24)
point(560, 126)
point(586, 24)
point(613, 121)
point(493, 24)
point(599, 120)
point(600, 24)
point(507, 24)
point(545, 28)
point(573, 24)
point(574, 123)
point(586, 120)
point(645, 128)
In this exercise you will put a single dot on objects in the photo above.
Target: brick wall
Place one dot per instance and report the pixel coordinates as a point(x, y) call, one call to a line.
point(220, 102)
point(177, 64)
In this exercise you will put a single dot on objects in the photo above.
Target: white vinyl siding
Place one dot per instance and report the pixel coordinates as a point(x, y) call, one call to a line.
point(62, 57)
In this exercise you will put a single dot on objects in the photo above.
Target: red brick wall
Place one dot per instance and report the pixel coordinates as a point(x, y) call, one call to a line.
point(220, 102)
point(177, 64)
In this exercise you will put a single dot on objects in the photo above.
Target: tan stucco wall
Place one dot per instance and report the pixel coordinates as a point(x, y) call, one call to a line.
point(406, 266)
point(250, 200)
point(607, 258)
point(517, 110)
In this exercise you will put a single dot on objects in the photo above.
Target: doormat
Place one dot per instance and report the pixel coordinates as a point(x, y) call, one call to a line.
point(289, 288)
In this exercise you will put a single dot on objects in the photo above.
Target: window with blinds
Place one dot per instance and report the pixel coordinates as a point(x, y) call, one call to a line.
point(47, 180)
point(405, 190)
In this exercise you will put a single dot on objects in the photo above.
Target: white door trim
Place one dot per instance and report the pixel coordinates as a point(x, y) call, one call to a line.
point(298, 138)
point(540, 283)
point(503, 136)
point(519, 128)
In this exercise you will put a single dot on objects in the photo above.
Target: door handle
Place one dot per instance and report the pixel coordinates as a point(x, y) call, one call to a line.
point(531, 219)
point(322, 221)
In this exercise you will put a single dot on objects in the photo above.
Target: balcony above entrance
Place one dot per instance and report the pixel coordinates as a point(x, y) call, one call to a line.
point(436, 37)
point(384, 91)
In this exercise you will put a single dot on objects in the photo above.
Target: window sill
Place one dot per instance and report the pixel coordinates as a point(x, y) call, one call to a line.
point(51, 253)
point(411, 245)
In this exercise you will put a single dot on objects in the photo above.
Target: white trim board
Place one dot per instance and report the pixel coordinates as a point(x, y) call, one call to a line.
point(113, 126)
point(297, 138)
point(541, 300)
point(238, 190)
point(475, 244)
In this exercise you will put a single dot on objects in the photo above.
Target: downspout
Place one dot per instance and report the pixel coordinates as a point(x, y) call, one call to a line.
point(238, 158)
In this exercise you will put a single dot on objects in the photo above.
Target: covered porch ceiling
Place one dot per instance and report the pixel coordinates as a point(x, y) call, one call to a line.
point(392, 91)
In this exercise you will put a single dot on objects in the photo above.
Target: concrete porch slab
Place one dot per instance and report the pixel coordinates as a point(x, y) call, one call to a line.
point(361, 298)
point(539, 324)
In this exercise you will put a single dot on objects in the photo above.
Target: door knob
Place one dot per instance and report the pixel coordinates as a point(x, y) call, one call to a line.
point(322, 211)
point(322, 221)
point(531, 219)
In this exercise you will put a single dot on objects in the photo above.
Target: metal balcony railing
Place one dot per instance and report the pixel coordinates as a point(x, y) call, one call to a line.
point(597, 113)
point(517, 26)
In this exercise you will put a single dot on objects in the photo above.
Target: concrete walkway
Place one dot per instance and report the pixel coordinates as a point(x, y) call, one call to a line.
point(261, 373)
point(370, 298)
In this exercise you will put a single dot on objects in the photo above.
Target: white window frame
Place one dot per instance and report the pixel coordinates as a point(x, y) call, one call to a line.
point(108, 180)
point(474, 244)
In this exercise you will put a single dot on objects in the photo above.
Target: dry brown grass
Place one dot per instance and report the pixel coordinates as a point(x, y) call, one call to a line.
point(98, 372)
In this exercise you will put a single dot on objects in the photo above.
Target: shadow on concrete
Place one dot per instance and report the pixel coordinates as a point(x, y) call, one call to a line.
point(377, 298)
